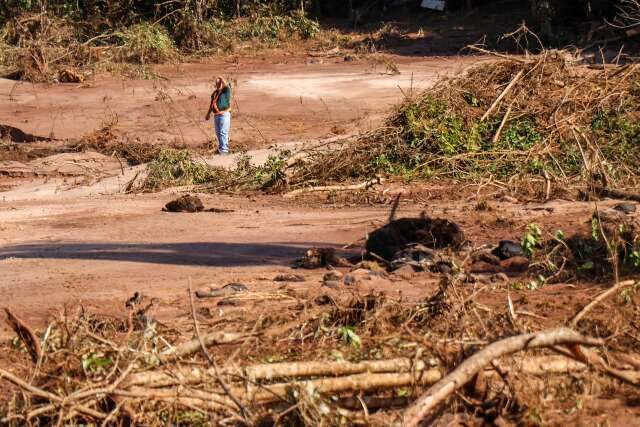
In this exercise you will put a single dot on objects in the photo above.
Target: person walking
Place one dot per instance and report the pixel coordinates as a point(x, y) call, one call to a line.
point(220, 106)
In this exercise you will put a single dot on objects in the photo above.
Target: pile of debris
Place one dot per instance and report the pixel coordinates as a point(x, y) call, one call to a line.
point(539, 124)
point(331, 360)
point(333, 357)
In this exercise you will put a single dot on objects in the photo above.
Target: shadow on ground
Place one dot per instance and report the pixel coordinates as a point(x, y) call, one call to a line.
point(211, 254)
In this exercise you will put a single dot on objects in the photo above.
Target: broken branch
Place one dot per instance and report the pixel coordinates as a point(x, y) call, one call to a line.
point(599, 299)
point(360, 186)
point(438, 393)
point(502, 95)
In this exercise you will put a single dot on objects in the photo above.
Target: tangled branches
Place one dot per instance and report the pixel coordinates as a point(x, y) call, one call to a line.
point(517, 121)
point(93, 369)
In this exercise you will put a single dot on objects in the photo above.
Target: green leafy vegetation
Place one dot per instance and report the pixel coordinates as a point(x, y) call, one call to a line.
point(349, 336)
point(531, 239)
point(179, 167)
point(146, 43)
point(454, 130)
point(175, 167)
point(40, 38)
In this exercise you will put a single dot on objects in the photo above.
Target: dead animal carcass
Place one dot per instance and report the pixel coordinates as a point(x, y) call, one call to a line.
point(434, 233)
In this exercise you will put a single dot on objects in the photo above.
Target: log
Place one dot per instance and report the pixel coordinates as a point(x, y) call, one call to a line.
point(360, 186)
point(271, 371)
point(427, 404)
point(360, 382)
point(316, 369)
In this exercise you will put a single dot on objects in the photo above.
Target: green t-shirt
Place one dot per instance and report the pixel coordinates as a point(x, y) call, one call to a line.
point(224, 99)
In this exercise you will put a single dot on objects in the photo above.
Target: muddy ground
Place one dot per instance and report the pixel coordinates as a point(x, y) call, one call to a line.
point(69, 237)
point(63, 224)
point(277, 99)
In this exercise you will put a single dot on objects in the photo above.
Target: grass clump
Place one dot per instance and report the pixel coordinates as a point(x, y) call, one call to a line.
point(261, 28)
point(146, 43)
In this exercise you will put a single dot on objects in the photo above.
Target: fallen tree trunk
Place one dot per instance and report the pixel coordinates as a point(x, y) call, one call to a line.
point(438, 393)
point(261, 394)
point(360, 186)
point(539, 366)
point(271, 371)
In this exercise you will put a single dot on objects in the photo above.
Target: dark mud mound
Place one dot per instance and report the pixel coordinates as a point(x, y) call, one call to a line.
point(434, 233)
point(186, 203)
point(17, 135)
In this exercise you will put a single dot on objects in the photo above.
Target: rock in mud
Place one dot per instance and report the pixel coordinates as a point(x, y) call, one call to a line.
point(333, 284)
point(231, 288)
point(485, 256)
point(433, 233)
point(186, 203)
point(508, 249)
point(626, 208)
point(405, 272)
point(70, 76)
point(481, 267)
point(332, 275)
point(420, 258)
point(289, 277)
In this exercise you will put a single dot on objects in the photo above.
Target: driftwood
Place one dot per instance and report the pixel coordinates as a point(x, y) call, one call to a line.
point(26, 334)
point(539, 366)
point(505, 118)
point(262, 394)
point(360, 382)
point(593, 359)
point(271, 371)
point(360, 186)
point(438, 393)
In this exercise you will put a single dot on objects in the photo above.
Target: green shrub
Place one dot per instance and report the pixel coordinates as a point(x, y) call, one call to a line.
point(178, 167)
point(175, 167)
point(146, 43)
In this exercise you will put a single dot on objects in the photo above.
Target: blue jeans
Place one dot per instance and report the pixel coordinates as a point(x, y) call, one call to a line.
point(222, 123)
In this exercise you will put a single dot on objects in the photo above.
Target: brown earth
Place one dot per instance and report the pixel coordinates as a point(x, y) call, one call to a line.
point(66, 240)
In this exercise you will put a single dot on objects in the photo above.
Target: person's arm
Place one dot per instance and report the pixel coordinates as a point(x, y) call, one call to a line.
point(211, 107)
